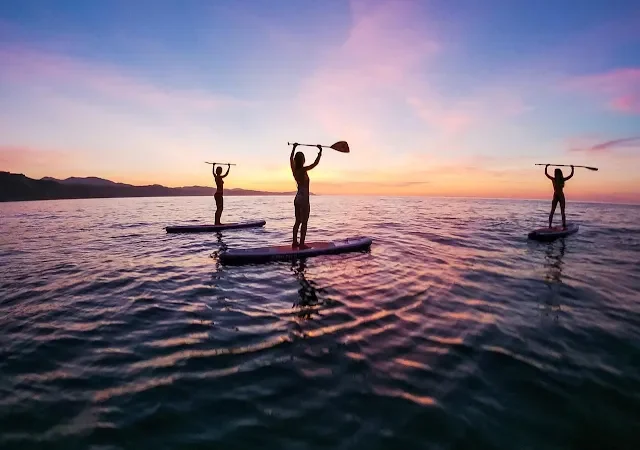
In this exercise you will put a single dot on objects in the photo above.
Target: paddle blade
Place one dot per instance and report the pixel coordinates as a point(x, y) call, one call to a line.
point(341, 147)
point(595, 169)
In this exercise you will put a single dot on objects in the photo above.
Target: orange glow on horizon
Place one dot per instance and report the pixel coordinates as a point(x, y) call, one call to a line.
point(406, 180)
point(481, 186)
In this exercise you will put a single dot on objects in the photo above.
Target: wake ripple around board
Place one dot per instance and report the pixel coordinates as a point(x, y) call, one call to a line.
point(452, 332)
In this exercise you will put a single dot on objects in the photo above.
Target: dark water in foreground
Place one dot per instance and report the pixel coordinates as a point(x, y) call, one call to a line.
point(453, 332)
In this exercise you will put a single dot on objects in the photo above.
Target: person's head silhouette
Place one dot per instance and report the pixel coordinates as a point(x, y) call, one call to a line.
point(299, 160)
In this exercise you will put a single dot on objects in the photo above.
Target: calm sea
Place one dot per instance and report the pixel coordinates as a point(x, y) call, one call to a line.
point(453, 332)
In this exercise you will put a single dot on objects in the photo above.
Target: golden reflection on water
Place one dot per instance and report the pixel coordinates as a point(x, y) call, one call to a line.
point(183, 355)
point(421, 400)
point(412, 364)
point(134, 387)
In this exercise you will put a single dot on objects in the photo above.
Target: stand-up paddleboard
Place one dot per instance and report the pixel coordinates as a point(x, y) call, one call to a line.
point(549, 234)
point(211, 228)
point(286, 252)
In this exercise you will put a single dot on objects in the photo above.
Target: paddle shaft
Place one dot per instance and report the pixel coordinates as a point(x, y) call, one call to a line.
point(340, 146)
point(219, 164)
point(310, 145)
point(567, 165)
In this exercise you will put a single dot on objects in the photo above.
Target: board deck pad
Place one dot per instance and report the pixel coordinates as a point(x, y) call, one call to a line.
point(287, 252)
point(549, 234)
point(208, 228)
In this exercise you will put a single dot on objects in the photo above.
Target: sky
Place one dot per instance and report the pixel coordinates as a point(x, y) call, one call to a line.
point(438, 98)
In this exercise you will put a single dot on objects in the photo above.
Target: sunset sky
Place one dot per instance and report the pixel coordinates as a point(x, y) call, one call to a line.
point(434, 97)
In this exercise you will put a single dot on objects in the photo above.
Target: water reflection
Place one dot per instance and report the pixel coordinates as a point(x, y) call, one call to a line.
point(222, 246)
point(308, 294)
point(553, 263)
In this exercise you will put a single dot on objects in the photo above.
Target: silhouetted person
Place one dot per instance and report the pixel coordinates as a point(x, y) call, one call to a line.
point(558, 181)
point(218, 177)
point(301, 203)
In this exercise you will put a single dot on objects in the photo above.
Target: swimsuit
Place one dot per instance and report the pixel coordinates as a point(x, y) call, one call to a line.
point(219, 187)
point(558, 194)
point(302, 196)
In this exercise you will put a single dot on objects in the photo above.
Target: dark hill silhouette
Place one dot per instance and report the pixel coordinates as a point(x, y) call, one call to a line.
point(92, 181)
point(18, 187)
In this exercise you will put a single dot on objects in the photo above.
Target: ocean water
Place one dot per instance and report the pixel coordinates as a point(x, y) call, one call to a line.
point(453, 332)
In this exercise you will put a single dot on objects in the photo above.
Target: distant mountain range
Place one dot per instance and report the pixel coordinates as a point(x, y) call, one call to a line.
point(92, 181)
point(18, 187)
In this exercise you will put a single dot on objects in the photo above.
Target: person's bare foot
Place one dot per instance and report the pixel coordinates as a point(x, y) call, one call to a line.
point(295, 245)
point(303, 247)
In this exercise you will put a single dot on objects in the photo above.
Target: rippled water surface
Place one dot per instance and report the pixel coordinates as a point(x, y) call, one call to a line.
point(453, 332)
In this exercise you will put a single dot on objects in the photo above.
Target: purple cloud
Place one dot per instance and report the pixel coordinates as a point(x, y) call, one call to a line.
point(609, 146)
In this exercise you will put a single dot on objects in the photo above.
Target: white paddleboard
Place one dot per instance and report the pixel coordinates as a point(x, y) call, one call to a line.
point(549, 234)
point(287, 252)
point(204, 228)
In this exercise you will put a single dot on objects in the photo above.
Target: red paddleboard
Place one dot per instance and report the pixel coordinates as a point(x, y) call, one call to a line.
point(287, 252)
point(549, 234)
point(210, 228)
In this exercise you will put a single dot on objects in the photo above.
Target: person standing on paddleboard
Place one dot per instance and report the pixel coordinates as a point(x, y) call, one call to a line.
point(218, 196)
point(301, 202)
point(558, 181)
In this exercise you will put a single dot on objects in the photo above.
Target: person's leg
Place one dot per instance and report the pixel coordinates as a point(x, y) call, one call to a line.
point(306, 211)
point(296, 226)
point(219, 206)
point(564, 217)
point(554, 204)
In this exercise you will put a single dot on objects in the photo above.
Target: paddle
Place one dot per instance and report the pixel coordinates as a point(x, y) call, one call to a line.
point(568, 165)
point(219, 164)
point(340, 146)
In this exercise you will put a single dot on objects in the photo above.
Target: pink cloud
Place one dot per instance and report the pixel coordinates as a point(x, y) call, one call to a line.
point(450, 121)
point(627, 103)
point(349, 93)
point(31, 67)
point(386, 62)
point(619, 88)
point(455, 117)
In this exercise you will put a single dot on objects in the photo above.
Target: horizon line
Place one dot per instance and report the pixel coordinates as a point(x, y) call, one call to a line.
point(316, 194)
point(275, 194)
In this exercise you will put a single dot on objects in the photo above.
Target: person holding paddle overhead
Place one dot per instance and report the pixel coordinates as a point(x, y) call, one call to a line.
point(218, 196)
point(558, 181)
point(301, 202)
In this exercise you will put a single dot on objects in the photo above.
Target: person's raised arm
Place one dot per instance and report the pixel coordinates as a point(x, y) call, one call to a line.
point(317, 161)
point(213, 169)
point(227, 173)
point(571, 174)
point(547, 173)
point(293, 150)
